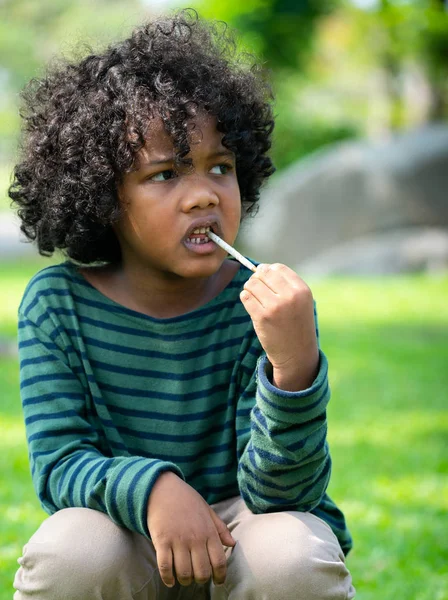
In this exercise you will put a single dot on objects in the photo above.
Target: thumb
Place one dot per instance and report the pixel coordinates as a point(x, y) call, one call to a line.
point(222, 529)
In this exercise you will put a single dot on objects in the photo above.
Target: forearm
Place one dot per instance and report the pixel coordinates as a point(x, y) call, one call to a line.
point(286, 462)
point(119, 486)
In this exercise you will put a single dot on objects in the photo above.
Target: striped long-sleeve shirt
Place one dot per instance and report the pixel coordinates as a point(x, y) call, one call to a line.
point(112, 398)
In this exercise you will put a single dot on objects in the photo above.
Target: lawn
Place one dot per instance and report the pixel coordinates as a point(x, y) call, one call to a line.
point(386, 340)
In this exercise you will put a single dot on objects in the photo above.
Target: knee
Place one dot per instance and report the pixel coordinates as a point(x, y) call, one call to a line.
point(292, 555)
point(70, 553)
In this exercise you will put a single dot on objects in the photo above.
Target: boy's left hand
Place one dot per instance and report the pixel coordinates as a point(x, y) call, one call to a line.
point(281, 307)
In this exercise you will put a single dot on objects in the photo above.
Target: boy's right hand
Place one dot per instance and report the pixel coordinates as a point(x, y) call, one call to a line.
point(187, 533)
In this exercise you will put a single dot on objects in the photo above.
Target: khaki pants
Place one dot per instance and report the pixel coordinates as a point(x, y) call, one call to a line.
point(80, 554)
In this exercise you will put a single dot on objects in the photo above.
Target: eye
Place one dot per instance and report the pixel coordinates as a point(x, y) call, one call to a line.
point(163, 175)
point(222, 169)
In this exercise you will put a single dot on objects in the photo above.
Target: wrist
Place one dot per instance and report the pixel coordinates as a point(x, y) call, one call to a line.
point(298, 378)
point(166, 478)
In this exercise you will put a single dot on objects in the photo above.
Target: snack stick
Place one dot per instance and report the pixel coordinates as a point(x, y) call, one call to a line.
point(225, 246)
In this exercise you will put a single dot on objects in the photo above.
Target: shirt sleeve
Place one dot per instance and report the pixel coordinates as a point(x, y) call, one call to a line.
point(284, 460)
point(69, 464)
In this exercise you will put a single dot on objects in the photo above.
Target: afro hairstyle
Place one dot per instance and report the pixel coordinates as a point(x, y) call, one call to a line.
point(84, 122)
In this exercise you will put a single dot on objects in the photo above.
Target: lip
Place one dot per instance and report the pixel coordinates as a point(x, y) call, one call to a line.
point(211, 222)
point(209, 247)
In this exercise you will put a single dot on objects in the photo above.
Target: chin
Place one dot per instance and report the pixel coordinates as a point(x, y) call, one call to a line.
point(205, 268)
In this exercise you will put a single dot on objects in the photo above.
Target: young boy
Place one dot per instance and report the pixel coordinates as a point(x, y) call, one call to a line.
point(174, 401)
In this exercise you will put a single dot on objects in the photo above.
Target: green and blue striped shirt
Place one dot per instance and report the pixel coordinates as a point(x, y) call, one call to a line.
point(112, 398)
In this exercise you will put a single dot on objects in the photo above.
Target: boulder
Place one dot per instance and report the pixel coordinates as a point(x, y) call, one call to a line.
point(349, 191)
point(409, 250)
point(13, 243)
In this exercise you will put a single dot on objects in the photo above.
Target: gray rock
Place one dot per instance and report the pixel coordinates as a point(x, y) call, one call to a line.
point(13, 243)
point(401, 251)
point(348, 191)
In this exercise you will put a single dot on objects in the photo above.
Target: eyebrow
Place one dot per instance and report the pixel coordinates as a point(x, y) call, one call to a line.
point(170, 159)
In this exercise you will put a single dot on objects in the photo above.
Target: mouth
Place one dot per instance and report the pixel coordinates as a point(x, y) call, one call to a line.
point(196, 239)
point(198, 233)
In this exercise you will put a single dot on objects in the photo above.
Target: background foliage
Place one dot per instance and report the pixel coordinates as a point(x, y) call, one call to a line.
point(340, 70)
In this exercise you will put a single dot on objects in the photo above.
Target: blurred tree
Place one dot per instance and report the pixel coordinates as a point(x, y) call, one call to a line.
point(280, 31)
point(283, 34)
point(397, 36)
point(338, 70)
point(33, 33)
point(434, 54)
point(25, 31)
point(286, 28)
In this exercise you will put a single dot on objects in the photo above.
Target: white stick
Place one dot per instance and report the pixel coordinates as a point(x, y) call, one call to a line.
point(225, 246)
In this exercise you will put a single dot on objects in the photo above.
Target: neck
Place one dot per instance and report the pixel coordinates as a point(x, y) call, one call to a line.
point(167, 297)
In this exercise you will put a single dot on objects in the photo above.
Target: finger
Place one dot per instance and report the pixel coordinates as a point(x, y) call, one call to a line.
point(250, 302)
point(200, 562)
point(182, 565)
point(277, 276)
point(265, 295)
point(222, 529)
point(262, 274)
point(279, 268)
point(284, 282)
point(165, 565)
point(218, 560)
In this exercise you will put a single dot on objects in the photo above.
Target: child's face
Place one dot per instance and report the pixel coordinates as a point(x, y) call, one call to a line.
point(163, 207)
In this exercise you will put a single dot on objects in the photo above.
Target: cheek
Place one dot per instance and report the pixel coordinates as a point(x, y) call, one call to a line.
point(127, 233)
point(235, 202)
point(133, 229)
point(238, 214)
point(140, 217)
point(234, 219)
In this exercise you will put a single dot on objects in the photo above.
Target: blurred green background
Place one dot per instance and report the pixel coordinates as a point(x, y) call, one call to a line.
point(340, 70)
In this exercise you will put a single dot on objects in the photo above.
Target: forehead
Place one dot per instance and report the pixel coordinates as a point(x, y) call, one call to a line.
point(203, 136)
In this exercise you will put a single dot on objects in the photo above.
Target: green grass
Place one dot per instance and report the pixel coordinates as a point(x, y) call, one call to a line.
point(387, 346)
point(386, 340)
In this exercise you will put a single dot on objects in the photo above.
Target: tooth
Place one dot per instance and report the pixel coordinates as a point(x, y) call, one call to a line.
point(196, 231)
point(202, 229)
point(207, 229)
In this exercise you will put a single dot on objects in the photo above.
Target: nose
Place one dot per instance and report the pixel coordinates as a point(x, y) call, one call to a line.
point(198, 194)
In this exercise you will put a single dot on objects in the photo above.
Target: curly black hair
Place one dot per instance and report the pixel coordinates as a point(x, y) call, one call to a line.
point(84, 122)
